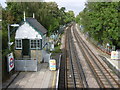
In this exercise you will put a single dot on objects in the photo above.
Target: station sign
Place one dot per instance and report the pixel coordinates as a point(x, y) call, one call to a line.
point(52, 64)
point(115, 55)
point(10, 61)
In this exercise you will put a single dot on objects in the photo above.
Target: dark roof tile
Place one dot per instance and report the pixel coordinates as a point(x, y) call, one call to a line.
point(33, 22)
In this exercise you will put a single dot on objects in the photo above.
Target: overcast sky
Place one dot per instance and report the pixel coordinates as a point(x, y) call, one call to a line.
point(2, 2)
point(75, 5)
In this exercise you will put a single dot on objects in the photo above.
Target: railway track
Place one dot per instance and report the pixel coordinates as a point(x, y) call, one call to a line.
point(99, 70)
point(73, 79)
point(74, 74)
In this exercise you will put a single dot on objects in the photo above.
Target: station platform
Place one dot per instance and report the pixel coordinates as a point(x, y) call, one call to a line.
point(43, 78)
point(113, 64)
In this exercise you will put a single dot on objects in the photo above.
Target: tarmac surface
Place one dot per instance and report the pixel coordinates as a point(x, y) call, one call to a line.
point(43, 78)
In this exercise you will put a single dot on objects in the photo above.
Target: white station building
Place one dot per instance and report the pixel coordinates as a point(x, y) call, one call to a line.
point(30, 39)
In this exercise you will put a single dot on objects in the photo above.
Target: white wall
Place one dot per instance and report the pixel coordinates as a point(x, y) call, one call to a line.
point(27, 32)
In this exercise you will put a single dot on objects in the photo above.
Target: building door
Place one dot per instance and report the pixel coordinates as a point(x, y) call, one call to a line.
point(25, 47)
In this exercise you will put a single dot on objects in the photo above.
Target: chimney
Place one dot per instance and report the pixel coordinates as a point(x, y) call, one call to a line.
point(33, 15)
point(24, 16)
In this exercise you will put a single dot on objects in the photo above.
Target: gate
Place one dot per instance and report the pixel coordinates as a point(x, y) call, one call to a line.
point(26, 65)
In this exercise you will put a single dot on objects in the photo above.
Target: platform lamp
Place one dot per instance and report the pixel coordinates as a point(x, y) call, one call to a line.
point(13, 25)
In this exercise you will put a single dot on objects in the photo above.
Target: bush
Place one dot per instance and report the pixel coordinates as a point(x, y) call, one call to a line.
point(57, 50)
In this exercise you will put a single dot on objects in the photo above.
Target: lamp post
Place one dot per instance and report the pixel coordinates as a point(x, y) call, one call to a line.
point(13, 25)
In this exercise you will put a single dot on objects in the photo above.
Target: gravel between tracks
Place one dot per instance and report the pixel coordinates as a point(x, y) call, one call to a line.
point(89, 77)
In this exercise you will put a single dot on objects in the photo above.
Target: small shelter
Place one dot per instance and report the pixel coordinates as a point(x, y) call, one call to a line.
point(30, 39)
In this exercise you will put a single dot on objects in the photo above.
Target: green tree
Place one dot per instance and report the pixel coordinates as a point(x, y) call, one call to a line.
point(100, 20)
point(69, 17)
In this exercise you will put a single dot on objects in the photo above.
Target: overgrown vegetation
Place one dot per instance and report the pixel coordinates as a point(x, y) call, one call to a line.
point(57, 49)
point(100, 20)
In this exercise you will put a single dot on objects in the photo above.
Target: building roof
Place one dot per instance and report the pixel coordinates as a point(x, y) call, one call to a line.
point(34, 23)
point(25, 31)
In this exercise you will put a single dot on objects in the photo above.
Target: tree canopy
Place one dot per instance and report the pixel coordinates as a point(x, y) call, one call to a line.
point(100, 20)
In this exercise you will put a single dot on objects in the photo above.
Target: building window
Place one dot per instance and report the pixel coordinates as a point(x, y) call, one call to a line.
point(18, 44)
point(35, 44)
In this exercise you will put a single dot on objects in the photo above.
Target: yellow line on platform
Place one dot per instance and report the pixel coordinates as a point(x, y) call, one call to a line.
point(53, 82)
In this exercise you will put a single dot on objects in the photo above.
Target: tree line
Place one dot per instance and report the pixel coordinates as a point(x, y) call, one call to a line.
point(101, 21)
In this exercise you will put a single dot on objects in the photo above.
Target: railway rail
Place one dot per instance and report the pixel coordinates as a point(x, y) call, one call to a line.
point(74, 74)
point(101, 73)
point(73, 78)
